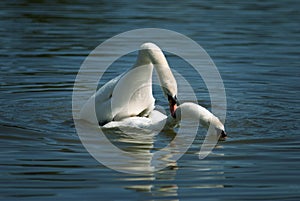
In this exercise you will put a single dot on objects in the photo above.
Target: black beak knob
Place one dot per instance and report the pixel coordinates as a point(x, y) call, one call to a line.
point(223, 134)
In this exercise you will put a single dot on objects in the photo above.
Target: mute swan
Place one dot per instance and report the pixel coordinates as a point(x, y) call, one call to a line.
point(130, 94)
point(185, 111)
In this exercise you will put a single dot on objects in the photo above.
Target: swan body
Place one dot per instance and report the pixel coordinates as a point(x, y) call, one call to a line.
point(130, 94)
point(156, 120)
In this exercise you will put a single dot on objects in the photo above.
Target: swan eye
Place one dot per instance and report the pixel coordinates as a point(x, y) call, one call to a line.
point(172, 100)
point(176, 100)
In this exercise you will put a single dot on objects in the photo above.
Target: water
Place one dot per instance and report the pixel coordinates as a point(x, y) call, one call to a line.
point(255, 46)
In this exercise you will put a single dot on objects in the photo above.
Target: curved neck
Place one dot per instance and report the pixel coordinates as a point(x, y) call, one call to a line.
point(151, 54)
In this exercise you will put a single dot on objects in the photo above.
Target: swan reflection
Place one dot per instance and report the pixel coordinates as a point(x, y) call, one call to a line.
point(137, 155)
point(128, 150)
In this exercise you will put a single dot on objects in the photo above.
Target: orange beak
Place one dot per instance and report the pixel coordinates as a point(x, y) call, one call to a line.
point(173, 107)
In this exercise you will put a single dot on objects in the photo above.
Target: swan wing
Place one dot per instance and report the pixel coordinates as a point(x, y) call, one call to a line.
point(132, 95)
point(100, 103)
point(129, 94)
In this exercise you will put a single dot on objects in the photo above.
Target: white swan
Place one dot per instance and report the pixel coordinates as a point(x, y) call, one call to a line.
point(130, 94)
point(157, 120)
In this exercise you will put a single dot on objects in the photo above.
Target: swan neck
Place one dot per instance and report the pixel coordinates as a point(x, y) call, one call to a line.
point(150, 54)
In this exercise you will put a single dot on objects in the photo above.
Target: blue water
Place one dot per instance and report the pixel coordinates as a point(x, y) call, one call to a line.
point(256, 47)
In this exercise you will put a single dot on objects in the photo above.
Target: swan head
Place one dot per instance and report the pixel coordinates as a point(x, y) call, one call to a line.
point(195, 112)
point(218, 126)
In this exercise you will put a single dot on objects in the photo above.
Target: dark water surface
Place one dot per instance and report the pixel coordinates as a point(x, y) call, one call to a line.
point(256, 47)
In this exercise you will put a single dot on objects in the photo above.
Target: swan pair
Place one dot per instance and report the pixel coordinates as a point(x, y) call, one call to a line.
point(128, 100)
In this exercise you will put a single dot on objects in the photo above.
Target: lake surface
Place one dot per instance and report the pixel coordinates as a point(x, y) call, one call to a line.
point(256, 47)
